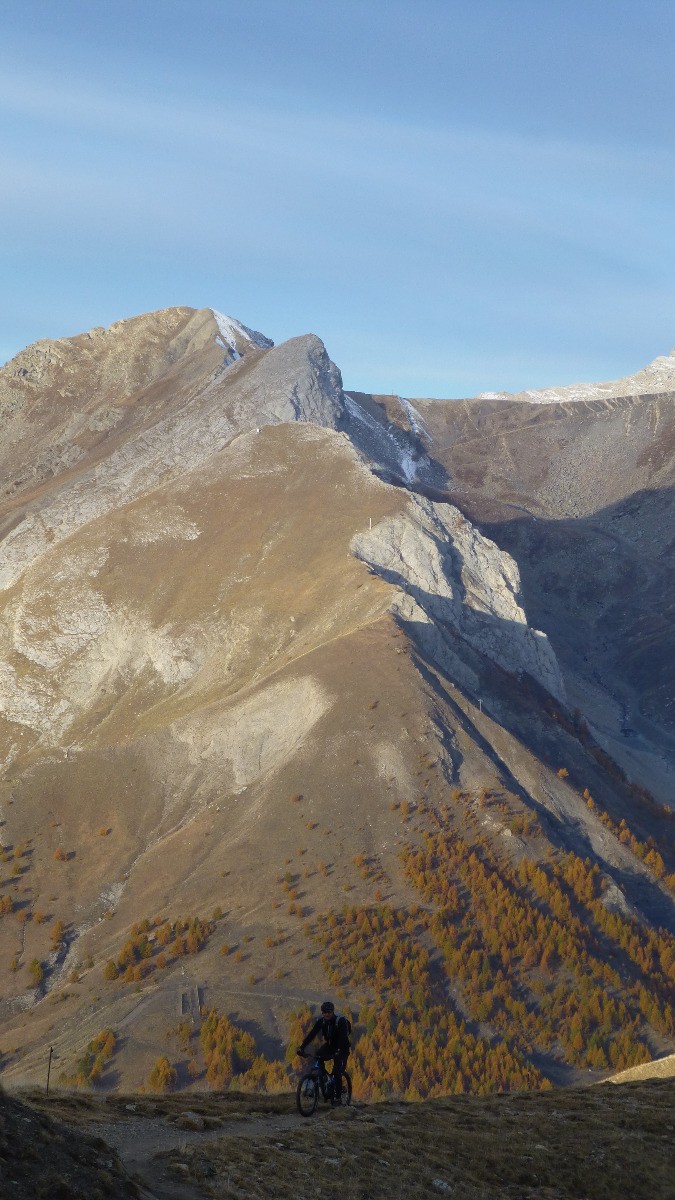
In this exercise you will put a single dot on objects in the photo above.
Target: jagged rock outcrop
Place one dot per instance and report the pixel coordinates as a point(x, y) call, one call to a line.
point(295, 381)
point(450, 575)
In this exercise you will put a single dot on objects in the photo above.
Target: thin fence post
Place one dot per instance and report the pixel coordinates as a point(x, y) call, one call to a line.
point(49, 1066)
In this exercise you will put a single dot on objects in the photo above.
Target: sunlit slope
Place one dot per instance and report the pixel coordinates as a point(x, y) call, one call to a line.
point(66, 403)
point(155, 408)
point(187, 604)
point(271, 725)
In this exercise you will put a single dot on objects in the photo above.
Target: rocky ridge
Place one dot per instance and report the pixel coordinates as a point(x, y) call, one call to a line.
point(656, 378)
point(291, 383)
point(224, 582)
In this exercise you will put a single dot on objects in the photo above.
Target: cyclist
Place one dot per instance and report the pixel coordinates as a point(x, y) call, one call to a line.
point(335, 1031)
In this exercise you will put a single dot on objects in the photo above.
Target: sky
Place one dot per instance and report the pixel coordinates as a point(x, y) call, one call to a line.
point(455, 195)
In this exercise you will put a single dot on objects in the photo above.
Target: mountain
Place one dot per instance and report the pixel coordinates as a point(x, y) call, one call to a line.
point(657, 378)
point(305, 689)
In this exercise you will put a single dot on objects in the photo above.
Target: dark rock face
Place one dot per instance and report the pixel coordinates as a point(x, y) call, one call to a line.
point(41, 1157)
point(581, 493)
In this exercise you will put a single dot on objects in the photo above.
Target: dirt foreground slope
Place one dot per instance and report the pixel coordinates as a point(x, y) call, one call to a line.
point(601, 1142)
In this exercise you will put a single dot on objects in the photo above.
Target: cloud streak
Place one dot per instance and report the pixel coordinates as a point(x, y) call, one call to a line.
point(461, 229)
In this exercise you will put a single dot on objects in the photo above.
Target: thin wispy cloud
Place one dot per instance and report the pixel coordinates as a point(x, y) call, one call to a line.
point(138, 118)
point(146, 183)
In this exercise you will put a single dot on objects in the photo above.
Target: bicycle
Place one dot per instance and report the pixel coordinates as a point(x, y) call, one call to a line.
point(317, 1082)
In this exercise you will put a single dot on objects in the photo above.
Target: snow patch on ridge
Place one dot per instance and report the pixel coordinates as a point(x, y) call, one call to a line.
point(405, 459)
point(232, 331)
point(416, 422)
point(654, 379)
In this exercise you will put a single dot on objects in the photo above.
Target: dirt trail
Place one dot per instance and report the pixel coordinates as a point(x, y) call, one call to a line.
point(139, 1141)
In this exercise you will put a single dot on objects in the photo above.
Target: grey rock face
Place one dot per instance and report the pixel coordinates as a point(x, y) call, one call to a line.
point(452, 577)
point(293, 382)
point(399, 450)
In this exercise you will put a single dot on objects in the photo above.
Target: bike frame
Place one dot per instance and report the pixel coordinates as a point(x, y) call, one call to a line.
point(317, 1070)
point(323, 1084)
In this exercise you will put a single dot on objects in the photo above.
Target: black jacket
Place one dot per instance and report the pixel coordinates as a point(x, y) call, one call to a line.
point(335, 1033)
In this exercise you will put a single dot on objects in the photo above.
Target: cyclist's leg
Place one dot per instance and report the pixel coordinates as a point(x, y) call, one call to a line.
point(323, 1055)
point(339, 1064)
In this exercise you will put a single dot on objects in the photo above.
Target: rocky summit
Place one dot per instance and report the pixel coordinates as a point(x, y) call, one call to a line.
point(307, 692)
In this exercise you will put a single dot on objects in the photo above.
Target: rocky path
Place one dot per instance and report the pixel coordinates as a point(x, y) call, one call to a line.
point(142, 1141)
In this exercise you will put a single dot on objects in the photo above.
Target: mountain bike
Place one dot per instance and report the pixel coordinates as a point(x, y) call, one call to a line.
point(317, 1082)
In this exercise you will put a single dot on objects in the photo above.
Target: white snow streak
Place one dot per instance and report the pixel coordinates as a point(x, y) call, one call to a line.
point(405, 458)
point(416, 422)
point(232, 331)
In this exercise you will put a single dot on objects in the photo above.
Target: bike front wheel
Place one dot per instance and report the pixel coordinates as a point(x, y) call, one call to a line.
point(307, 1096)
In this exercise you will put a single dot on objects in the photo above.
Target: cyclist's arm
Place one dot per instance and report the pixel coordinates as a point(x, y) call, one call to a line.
point(310, 1036)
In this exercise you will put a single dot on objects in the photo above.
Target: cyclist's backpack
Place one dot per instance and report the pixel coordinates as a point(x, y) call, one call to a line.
point(347, 1023)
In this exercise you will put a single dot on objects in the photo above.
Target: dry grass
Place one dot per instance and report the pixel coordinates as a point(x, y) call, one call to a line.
point(658, 1068)
point(601, 1143)
point(83, 1108)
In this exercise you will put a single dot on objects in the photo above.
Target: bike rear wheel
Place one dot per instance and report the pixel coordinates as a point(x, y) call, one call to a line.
point(346, 1097)
point(307, 1095)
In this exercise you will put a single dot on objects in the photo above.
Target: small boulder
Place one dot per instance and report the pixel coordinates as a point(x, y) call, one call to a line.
point(180, 1168)
point(190, 1120)
point(213, 1122)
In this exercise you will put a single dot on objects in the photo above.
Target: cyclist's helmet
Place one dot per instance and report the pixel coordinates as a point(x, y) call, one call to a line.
point(327, 1007)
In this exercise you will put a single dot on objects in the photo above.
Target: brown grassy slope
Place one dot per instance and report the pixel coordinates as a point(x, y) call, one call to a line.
point(601, 1142)
point(659, 1068)
point(251, 600)
point(194, 779)
point(566, 460)
point(572, 1144)
point(358, 762)
point(235, 851)
point(239, 655)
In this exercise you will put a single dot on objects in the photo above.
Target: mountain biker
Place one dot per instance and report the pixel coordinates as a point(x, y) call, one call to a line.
point(335, 1031)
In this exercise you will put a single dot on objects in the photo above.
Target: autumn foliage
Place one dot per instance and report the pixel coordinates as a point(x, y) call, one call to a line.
point(506, 960)
point(163, 1077)
point(152, 945)
point(92, 1064)
point(231, 1058)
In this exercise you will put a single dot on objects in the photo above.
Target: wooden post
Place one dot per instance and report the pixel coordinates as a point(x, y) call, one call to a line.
point(49, 1066)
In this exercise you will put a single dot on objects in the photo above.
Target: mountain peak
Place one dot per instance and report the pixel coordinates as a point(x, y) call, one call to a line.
point(231, 334)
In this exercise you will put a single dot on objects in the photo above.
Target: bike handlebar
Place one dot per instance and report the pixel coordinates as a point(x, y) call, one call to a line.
point(320, 1062)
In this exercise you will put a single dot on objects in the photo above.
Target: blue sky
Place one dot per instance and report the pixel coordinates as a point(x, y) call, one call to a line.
point(457, 196)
